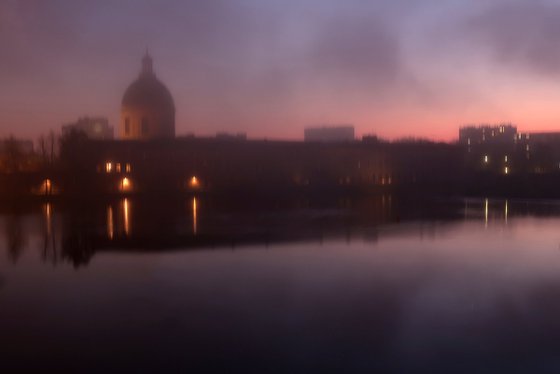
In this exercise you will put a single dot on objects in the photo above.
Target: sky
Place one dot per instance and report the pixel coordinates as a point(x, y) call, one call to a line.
point(270, 68)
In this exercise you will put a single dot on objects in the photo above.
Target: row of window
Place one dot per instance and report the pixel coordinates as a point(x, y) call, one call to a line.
point(111, 167)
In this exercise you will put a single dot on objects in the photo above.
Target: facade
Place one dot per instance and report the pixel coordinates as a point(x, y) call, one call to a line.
point(261, 166)
point(326, 134)
point(96, 128)
point(487, 134)
point(502, 150)
point(147, 110)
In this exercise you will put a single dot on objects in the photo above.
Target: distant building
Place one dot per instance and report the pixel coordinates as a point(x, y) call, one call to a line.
point(484, 134)
point(535, 138)
point(501, 149)
point(329, 134)
point(147, 108)
point(229, 136)
point(94, 127)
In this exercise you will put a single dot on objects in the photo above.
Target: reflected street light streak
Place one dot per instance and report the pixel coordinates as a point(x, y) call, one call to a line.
point(194, 218)
point(126, 217)
point(486, 213)
point(48, 218)
point(110, 223)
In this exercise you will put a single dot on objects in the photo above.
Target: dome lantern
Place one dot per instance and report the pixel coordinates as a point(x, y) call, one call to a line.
point(147, 64)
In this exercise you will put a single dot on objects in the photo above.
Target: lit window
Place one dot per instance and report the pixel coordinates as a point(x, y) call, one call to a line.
point(506, 158)
point(108, 167)
point(118, 168)
point(485, 159)
point(127, 168)
point(506, 170)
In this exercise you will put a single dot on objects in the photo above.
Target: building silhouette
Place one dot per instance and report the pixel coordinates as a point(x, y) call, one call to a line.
point(325, 134)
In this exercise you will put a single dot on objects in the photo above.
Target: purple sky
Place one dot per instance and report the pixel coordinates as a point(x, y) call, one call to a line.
point(272, 67)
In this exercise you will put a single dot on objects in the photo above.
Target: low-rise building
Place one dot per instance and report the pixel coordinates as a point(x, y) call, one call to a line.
point(94, 127)
point(329, 134)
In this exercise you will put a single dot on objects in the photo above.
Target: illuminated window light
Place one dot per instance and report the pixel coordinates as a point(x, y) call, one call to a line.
point(485, 159)
point(506, 158)
point(506, 170)
point(108, 167)
point(118, 168)
point(127, 168)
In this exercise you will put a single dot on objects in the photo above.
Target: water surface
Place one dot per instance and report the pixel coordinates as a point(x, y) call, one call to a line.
point(351, 286)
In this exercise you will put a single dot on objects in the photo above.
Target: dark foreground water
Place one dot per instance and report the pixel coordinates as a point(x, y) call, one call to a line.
point(380, 285)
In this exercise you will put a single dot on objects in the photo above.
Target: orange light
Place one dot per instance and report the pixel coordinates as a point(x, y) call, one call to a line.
point(194, 182)
point(126, 185)
point(110, 223)
point(47, 187)
point(108, 167)
point(48, 218)
point(127, 168)
point(126, 213)
point(194, 215)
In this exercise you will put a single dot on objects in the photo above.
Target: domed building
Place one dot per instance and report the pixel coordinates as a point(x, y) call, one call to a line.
point(147, 110)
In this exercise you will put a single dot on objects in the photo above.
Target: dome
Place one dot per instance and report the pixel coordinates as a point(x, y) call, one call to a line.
point(147, 108)
point(148, 91)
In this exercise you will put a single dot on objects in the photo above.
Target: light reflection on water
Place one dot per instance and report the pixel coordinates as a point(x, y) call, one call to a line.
point(110, 223)
point(126, 216)
point(477, 290)
point(194, 211)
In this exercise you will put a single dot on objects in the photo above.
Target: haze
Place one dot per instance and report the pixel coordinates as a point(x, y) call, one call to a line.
point(270, 68)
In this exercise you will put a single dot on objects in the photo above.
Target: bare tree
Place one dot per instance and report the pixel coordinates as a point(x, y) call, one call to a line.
point(12, 156)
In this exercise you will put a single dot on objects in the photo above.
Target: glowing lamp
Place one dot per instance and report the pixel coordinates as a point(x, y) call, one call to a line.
point(194, 182)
